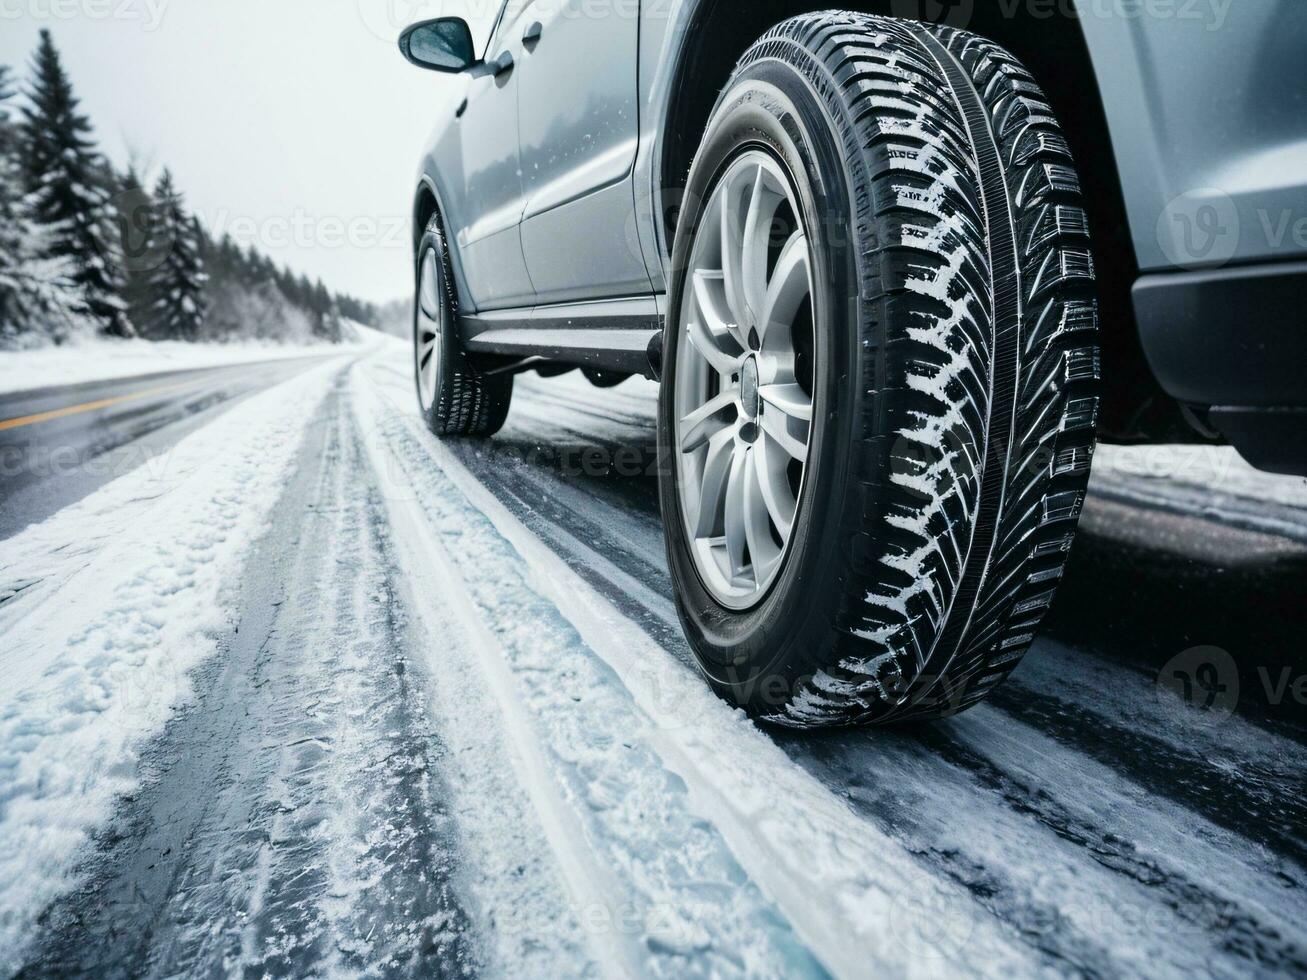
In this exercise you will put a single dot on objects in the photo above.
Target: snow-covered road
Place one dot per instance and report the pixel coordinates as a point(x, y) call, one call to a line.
point(317, 694)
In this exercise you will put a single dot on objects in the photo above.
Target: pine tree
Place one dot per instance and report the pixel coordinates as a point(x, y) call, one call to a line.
point(67, 181)
point(35, 292)
point(9, 136)
point(326, 315)
point(177, 286)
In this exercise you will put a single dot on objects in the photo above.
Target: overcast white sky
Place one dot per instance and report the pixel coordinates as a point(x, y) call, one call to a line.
point(293, 123)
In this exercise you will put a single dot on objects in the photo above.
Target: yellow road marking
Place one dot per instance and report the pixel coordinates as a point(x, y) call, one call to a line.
point(60, 413)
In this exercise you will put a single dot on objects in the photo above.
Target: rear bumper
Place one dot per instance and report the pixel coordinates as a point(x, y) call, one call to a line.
point(1234, 341)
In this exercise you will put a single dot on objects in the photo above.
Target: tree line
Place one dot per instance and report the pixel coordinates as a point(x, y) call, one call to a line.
point(86, 249)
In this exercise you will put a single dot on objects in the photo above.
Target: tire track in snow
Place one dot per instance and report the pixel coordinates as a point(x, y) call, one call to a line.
point(1267, 807)
point(1249, 935)
point(674, 899)
point(124, 592)
point(836, 877)
point(632, 578)
point(294, 820)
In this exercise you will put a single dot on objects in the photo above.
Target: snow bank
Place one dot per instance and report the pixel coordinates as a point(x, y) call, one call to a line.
point(103, 609)
point(100, 359)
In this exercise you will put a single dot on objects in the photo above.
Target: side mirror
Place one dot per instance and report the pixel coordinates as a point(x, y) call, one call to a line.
point(444, 44)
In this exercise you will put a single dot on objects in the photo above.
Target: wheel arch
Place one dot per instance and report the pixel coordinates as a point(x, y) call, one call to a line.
point(715, 33)
point(427, 204)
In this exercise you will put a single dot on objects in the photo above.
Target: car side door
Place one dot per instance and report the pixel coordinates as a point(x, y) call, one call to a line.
point(578, 126)
point(487, 235)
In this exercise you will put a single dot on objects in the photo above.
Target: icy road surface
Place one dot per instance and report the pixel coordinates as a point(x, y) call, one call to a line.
point(311, 693)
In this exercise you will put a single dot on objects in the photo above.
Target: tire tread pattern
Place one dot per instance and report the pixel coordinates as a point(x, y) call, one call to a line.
point(981, 384)
point(469, 402)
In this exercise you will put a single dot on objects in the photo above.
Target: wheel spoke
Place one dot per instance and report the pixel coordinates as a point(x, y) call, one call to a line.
point(789, 399)
point(789, 287)
point(735, 525)
point(732, 247)
point(780, 427)
point(763, 203)
point(425, 352)
point(717, 468)
point(428, 300)
point(763, 550)
point(709, 331)
point(774, 484)
point(429, 315)
point(707, 420)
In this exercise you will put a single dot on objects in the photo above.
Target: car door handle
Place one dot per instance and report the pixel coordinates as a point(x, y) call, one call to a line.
point(462, 108)
point(503, 64)
point(532, 36)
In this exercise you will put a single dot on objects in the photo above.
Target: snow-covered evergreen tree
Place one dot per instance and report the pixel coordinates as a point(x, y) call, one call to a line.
point(35, 293)
point(326, 313)
point(176, 287)
point(69, 191)
point(9, 137)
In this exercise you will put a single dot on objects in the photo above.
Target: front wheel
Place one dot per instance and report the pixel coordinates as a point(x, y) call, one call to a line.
point(880, 390)
point(455, 398)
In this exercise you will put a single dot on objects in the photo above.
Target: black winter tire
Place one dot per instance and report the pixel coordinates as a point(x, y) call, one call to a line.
point(461, 401)
point(955, 372)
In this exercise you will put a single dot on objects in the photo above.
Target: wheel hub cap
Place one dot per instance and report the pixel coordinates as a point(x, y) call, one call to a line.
point(749, 398)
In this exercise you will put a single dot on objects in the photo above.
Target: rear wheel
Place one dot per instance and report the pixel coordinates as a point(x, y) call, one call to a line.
point(880, 379)
point(455, 398)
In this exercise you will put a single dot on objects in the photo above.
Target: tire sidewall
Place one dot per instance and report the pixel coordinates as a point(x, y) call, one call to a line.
point(760, 656)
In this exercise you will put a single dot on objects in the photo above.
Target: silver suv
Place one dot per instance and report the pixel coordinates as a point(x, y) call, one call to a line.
point(897, 269)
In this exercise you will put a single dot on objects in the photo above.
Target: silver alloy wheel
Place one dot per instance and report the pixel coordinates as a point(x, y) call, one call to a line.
point(742, 400)
point(430, 323)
